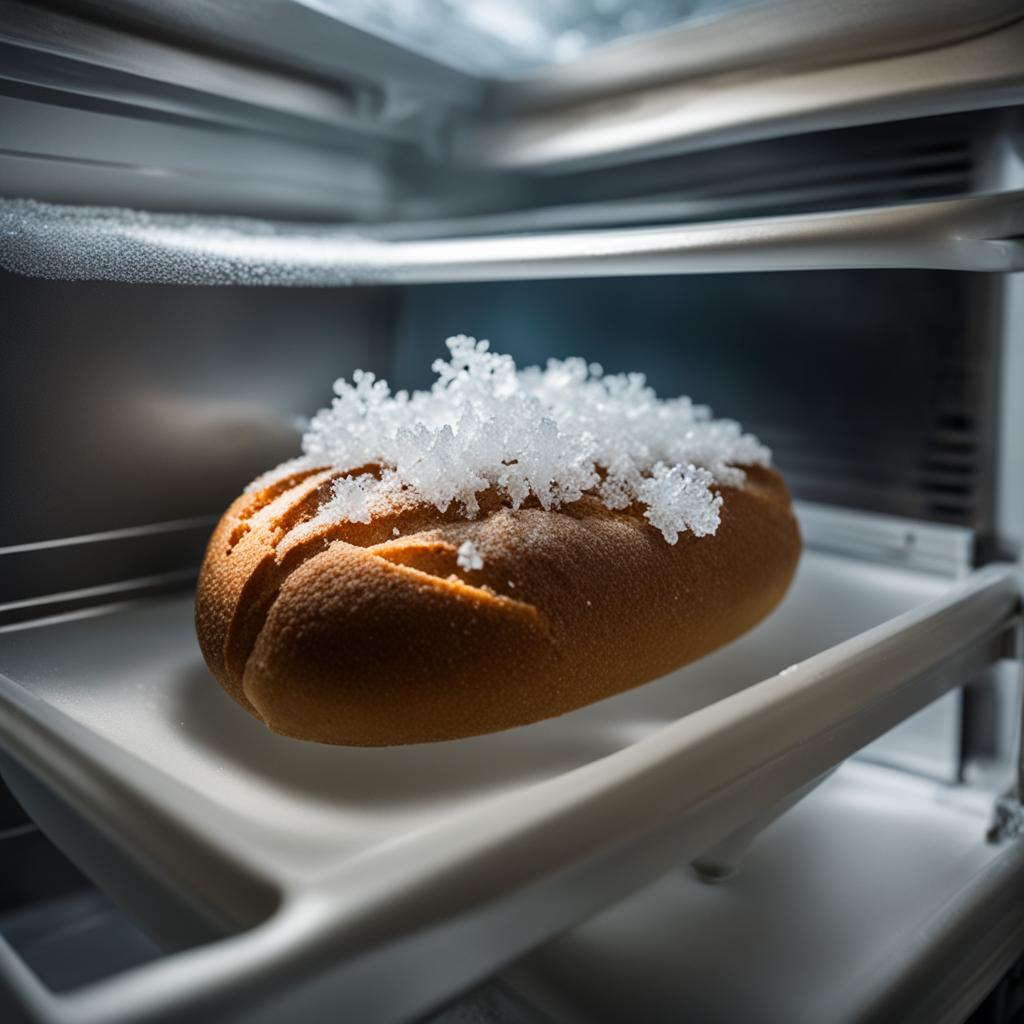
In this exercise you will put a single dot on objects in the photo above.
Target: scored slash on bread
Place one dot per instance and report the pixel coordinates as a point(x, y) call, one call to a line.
point(343, 632)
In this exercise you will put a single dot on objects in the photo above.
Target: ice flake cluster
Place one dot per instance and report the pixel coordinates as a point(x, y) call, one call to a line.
point(469, 558)
point(553, 434)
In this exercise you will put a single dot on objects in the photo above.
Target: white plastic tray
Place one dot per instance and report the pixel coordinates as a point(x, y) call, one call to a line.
point(387, 879)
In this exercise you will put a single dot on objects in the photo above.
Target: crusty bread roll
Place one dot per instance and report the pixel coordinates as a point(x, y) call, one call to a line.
point(371, 634)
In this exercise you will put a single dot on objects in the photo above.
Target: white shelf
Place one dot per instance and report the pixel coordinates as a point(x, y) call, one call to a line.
point(340, 868)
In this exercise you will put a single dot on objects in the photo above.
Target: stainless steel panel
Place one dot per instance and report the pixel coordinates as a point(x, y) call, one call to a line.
point(298, 35)
point(986, 70)
point(139, 413)
point(758, 37)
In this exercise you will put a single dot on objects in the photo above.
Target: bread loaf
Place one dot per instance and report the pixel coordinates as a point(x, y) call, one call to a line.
point(511, 545)
point(374, 633)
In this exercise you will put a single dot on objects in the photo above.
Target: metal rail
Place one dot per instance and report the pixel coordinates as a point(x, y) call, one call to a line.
point(977, 233)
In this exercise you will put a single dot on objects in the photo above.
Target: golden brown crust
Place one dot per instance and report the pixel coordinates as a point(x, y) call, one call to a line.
point(349, 634)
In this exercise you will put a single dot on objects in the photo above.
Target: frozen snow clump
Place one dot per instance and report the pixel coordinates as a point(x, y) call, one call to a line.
point(550, 434)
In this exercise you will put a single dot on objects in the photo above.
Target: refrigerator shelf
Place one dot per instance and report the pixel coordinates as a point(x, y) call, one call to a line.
point(285, 871)
point(975, 233)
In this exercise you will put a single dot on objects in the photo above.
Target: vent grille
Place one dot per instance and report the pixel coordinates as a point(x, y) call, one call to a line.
point(949, 470)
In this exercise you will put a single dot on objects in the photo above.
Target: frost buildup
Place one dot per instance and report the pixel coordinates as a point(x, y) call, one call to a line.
point(468, 558)
point(552, 434)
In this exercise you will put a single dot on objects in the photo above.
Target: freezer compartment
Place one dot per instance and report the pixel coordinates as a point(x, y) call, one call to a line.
point(330, 866)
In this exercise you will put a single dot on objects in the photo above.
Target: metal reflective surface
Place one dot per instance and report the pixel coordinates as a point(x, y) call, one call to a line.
point(979, 233)
point(691, 114)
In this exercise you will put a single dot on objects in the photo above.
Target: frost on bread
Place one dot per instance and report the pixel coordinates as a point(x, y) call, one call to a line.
point(551, 435)
point(469, 559)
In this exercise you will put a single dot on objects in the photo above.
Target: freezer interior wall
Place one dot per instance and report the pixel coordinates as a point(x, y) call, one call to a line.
point(157, 403)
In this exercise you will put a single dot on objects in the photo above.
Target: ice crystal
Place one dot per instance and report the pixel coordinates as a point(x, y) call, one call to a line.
point(551, 434)
point(469, 558)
